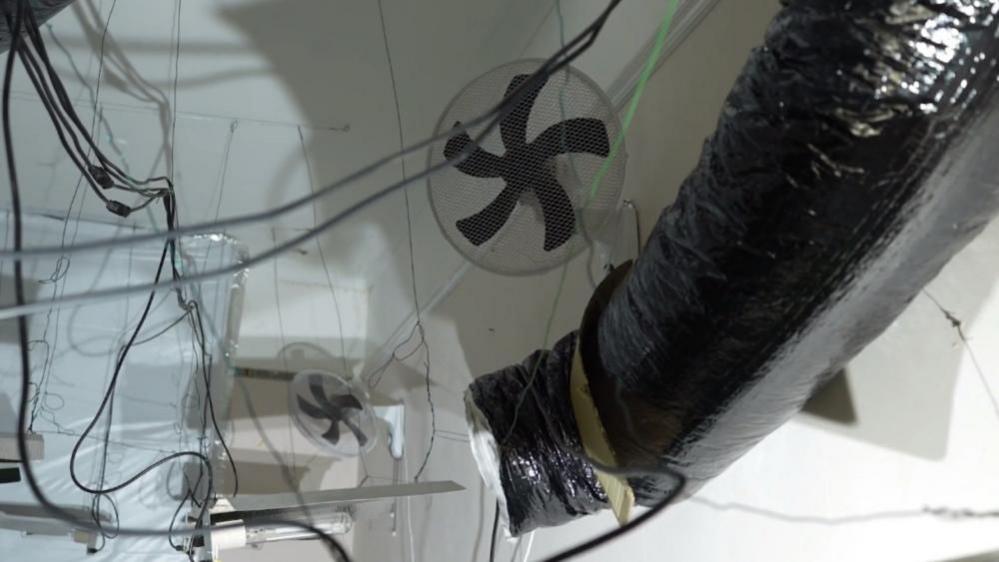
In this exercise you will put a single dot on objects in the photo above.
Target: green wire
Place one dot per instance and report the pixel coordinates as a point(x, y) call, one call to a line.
point(650, 65)
point(643, 79)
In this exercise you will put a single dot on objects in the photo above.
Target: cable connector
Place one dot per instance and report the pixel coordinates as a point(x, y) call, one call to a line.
point(118, 208)
point(101, 176)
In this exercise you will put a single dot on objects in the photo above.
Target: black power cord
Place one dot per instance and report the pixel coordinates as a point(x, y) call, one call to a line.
point(492, 535)
point(107, 169)
point(66, 121)
point(617, 532)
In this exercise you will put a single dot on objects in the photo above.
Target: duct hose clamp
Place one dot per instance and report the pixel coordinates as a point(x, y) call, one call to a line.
point(592, 433)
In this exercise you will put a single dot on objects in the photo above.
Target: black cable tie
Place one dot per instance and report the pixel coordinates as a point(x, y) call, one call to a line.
point(101, 176)
point(118, 208)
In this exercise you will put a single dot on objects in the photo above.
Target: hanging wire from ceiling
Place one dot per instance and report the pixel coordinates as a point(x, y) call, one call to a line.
point(420, 331)
point(958, 327)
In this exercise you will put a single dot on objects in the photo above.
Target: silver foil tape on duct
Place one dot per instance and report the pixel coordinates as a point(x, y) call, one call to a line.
point(854, 156)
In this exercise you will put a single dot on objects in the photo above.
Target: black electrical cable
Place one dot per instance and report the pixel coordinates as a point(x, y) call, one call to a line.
point(108, 402)
point(492, 536)
point(16, 49)
point(95, 502)
point(188, 495)
point(108, 397)
point(200, 331)
point(604, 538)
point(58, 119)
point(617, 532)
point(109, 166)
point(63, 116)
point(562, 57)
point(164, 330)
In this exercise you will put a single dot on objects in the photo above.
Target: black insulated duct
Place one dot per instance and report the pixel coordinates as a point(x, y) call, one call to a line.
point(857, 152)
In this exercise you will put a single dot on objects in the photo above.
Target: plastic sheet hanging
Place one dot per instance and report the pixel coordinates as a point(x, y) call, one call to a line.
point(159, 405)
point(854, 156)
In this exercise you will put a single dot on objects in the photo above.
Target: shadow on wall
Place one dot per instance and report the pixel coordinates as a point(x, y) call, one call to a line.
point(899, 392)
point(834, 401)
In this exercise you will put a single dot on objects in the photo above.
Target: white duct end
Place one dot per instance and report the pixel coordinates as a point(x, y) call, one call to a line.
point(486, 452)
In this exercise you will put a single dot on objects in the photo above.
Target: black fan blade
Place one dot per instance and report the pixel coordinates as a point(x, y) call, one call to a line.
point(333, 433)
point(311, 409)
point(332, 410)
point(513, 127)
point(560, 219)
point(337, 403)
point(317, 389)
point(580, 135)
point(483, 225)
point(362, 439)
point(478, 163)
point(345, 402)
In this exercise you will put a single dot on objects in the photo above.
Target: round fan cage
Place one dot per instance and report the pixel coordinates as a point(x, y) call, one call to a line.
point(353, 413)
point(518, 247)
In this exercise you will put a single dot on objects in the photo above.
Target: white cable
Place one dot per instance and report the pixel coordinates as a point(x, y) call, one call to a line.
point(530, 543)
point(409, 510)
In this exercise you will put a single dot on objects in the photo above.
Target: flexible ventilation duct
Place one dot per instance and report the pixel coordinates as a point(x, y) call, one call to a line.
point(855, 155)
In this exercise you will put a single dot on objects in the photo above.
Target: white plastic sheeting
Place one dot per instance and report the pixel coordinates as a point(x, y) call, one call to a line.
point(158, 405)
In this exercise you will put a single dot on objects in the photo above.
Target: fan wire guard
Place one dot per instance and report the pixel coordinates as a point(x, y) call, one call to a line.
point(518, 247)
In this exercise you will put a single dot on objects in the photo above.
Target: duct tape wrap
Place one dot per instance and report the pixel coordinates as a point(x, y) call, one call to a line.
point(538, 471)
point(854, 156)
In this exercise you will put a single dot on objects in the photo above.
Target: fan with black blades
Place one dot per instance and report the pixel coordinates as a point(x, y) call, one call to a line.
point(515, 208)
point(324, 404)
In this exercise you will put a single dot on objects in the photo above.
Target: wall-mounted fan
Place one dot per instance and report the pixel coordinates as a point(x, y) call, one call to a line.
point(526, 198)
point(332, 413)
